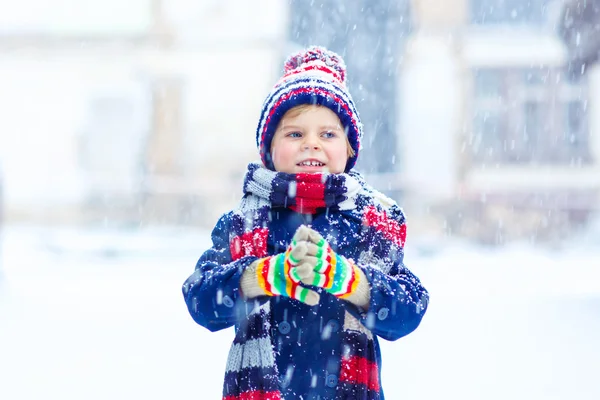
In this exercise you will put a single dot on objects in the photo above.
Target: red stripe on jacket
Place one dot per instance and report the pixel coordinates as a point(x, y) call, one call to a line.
point(253, 243)
point(255, 395)
point(390, 228)
point(359, 370)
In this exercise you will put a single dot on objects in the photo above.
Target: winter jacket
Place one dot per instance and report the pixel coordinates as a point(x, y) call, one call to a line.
point(308, 351)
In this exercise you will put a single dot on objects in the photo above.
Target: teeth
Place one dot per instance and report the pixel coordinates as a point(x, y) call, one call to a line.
point(312, 163)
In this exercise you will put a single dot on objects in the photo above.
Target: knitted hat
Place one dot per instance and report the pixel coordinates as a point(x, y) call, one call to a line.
point(313, 76)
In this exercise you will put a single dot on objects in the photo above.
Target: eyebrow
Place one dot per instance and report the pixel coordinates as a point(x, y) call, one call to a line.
point(332, 127)
point(322, 127)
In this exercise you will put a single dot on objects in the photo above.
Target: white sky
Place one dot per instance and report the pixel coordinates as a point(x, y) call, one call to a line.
point(69, 16)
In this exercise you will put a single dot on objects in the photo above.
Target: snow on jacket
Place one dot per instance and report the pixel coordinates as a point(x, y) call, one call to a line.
point(306, 340)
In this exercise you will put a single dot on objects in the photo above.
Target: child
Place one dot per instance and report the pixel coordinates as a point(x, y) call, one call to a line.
point(309, 268)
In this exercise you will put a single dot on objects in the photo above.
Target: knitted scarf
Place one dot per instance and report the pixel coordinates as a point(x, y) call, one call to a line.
point(251, 372)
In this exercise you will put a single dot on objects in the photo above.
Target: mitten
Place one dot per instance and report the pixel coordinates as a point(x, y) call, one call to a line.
point(281, 274)
point(334, 272)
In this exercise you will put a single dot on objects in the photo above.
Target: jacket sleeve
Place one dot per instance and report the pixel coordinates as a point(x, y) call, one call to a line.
point(212, 292)
point(397, 302)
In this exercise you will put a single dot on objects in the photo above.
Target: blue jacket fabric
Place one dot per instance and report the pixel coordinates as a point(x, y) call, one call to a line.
point(308, 350)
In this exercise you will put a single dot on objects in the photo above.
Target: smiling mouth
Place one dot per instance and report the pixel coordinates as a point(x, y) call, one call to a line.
point(310, 163)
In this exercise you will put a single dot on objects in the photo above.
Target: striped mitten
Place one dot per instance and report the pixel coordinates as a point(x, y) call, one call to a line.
point(281, 274)
point(334, 272)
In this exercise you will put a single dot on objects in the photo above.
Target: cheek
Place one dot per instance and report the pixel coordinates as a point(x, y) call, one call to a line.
point(341, 154)
point(338, 157)
point(281, 153)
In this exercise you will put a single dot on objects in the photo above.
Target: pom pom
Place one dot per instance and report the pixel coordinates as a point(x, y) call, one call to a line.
point(314, 53)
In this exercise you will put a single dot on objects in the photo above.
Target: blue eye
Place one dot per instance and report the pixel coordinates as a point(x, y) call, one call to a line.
point(294, 134)
point(329, 134)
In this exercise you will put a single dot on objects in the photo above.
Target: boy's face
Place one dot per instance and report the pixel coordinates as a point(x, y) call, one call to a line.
point(312, 140)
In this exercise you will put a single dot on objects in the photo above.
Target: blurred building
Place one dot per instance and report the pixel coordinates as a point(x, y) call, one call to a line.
point(145, 111)
point(495, 134)
point(137, 111)
point(579, 27)
point(370, 35)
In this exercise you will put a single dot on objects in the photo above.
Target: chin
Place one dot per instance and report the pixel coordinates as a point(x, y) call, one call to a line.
point(312, 170)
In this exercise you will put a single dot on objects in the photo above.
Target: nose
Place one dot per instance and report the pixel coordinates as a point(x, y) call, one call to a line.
point(311, 147)
point(311, 143)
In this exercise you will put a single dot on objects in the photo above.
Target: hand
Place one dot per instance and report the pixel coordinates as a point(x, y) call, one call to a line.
point(280, 275)
point(331, 271)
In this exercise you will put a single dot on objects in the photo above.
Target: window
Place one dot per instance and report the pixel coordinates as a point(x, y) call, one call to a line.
point(528, 115)
point(521, 12)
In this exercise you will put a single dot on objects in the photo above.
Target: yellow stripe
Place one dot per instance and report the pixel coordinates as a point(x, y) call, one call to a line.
point(288, 282)
point(356, 281)
point(356, 278)
point(333, 267)
point(259, 274)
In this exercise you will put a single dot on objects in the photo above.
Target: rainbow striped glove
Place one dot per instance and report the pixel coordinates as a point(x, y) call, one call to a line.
point(281, 274)
point(334, 272)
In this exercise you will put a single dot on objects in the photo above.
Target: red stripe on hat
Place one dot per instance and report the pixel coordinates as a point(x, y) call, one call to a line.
point(359, 370)
point(390, 228)
point(255, 395)
point(322, 68)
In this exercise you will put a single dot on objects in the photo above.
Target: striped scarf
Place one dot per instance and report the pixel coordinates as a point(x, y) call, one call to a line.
point(251, 372)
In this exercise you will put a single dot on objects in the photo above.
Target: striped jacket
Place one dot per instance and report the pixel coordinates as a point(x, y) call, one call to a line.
point(307, 340)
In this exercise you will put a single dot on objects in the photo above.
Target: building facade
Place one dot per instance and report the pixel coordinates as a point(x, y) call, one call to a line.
point(148, 115)
point(144, 111)
point(494, 129)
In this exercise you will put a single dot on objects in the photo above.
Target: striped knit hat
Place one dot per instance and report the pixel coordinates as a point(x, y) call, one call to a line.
point(312, 76)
